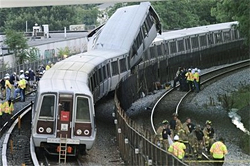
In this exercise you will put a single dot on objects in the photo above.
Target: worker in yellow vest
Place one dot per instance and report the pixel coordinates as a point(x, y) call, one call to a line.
point(218, 150)
point(190, 79)
point(196, 77)
point(21, 88)
point(177, 148)
point(8, 107)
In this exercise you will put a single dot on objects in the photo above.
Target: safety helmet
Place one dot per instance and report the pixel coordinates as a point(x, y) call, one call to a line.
point(165, 121)
point(176, 137)
point(208, 122)
point(21, 71)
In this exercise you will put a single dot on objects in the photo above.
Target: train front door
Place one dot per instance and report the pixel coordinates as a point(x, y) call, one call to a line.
point(64, 117)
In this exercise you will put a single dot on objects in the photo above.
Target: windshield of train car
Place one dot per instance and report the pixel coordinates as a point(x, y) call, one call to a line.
point(82, 110)
point(47, 107)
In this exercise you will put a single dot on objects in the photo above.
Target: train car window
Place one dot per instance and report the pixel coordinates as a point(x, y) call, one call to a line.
point(104, 72)
point(145, 30)
point(94, 80)
point(92, 83)
point(211, 39)
point(194, 41)
point(108, 70)
point(47, 107)
point(235, 34)
point(100, 74)
point(218, 37)
point(97, 78)
point(115, 70)
point(139, 39)
point(173, 47)
point(152, 52)
point(159, 51)
point(188, 45)
point(166, 49)
point(227, 36)
point(203, 40)
point(180, 45)
point(149, 21)
point(123, 66)
point(82, 110)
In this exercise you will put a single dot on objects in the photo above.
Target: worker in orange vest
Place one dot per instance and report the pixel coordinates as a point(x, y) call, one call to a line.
point(218, 150)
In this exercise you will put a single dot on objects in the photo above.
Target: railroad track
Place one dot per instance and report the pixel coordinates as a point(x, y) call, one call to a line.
point(170, 102)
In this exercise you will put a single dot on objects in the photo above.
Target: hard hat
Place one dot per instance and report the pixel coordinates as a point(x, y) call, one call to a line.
point(165, 121)
point(208, 122)
point(7, 77)
point(176, 137)
point(14, 73)
point(27, 72)
point(7, 74)
point(21, 71)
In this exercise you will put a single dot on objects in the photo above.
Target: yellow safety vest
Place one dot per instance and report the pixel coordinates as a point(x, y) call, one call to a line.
point(218, 149)
point(190, 76)
point(196, 76)
point(177, 149)
point(22, 84)
point(7, 84)
point(1, 109)
point(8, 108)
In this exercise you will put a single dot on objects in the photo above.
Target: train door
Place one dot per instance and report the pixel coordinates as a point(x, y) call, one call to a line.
point(64, 117)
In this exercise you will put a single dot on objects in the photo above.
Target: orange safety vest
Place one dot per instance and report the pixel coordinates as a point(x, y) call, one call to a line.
point(218, 149)
point(177, 149)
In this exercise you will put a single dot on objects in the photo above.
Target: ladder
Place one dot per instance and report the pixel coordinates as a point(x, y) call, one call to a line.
point(63, 149)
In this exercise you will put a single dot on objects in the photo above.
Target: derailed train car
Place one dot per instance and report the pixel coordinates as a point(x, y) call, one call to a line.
point(63, 111)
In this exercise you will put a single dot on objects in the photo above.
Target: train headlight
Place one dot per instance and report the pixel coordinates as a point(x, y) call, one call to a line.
point(48, 130)
point(86, 132)
point(79, 132)
point(41, 129)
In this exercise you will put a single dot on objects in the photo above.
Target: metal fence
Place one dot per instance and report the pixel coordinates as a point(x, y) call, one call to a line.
point(136, 144)
point(33, 65)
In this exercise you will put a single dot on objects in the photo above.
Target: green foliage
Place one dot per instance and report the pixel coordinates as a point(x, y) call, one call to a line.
point(62, 52)
point(57, 17)
point(32, 54)
point(17, 42)
point(234, 10)
point(245, 143)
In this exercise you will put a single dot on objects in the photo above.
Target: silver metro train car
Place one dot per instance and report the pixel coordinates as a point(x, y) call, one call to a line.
point(64, 106)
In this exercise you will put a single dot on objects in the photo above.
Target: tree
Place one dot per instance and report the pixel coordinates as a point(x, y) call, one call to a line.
point(17, 43)
point(234, 10)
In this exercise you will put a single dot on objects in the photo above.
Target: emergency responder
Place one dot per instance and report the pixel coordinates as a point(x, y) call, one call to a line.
point(8, 107)
point(190, 79)
point(177, 148)
point(197, 141)
point(209, 134)
point(8, 87)
point(163, 132)
point(184, 133)
point(21, 88)
point(196, 77)
point(48, 65)
point(175, 124)
point(218, 151)
point(177, 77)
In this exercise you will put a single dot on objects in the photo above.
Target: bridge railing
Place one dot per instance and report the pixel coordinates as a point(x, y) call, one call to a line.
point(136, 144)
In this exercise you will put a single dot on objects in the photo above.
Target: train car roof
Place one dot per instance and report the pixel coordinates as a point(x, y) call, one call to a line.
point(192, 31)
point(122, 27)
point(72, 73)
